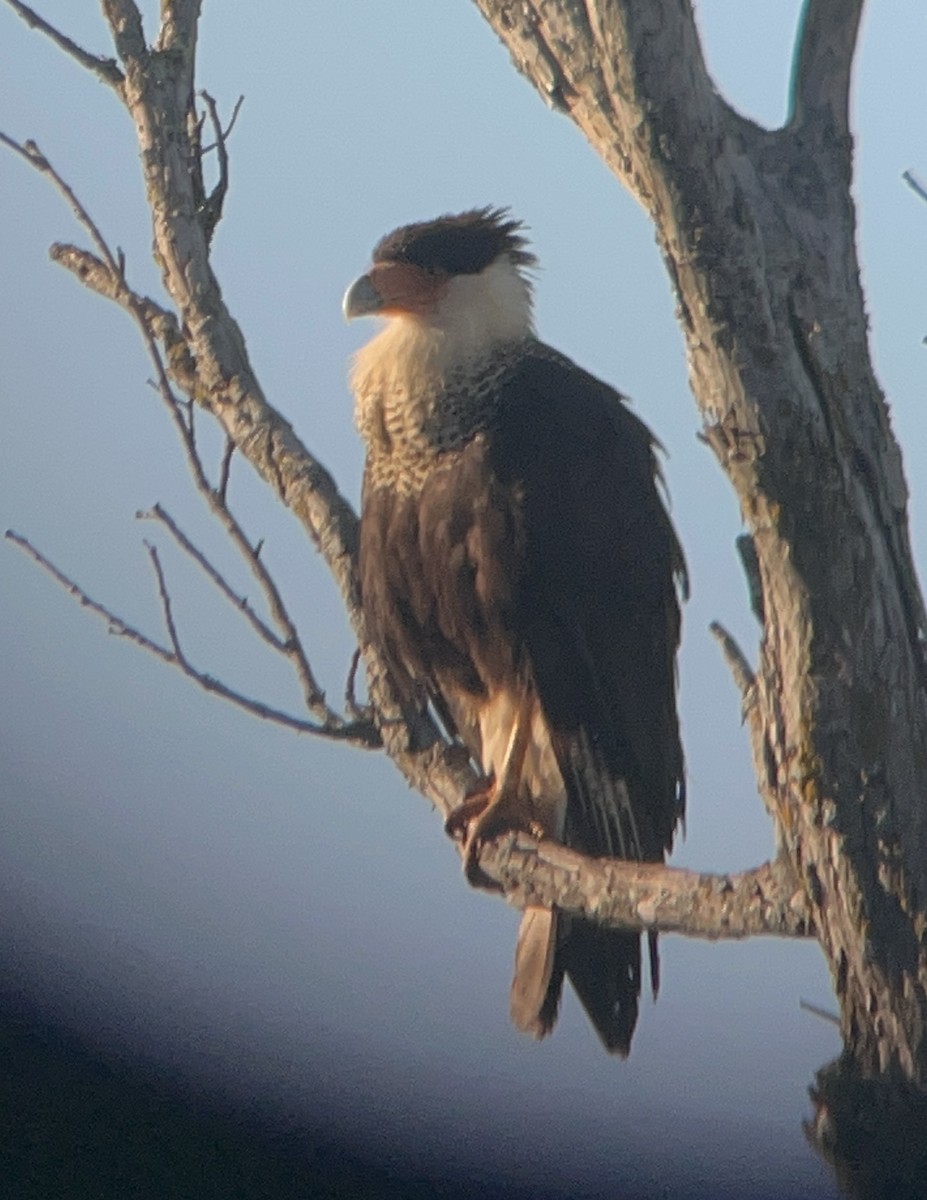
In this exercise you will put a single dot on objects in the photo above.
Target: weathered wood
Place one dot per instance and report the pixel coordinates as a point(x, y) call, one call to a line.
point(647, 897)
point(757, 230)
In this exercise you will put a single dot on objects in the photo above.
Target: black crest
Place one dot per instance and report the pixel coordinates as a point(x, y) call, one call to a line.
point(460, 245)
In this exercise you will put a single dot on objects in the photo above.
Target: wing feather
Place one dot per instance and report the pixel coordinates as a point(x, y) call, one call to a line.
point(597, 607)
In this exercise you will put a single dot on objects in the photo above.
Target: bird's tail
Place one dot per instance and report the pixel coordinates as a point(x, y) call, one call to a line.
point(536, 977)
point(603, 965)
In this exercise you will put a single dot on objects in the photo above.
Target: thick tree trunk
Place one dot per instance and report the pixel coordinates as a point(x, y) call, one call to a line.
point(757, 230)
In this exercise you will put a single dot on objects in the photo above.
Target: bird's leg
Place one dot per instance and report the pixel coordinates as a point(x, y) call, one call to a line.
point(495, 805)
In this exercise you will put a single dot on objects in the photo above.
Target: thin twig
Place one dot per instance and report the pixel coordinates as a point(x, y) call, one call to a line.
point(358, 711)
point(158, 513)
point(749, 560)
point(106, 69)
point(34, 156)
point(225, 470)
point(94, 274)
point(212, 205)
point(313, 694)
point(357, 733)
point(739, 667)
point(816, 1011)
point(165, 602)
point(914, 184)
point(117, 626)
point(234, 117)
point(141, 312)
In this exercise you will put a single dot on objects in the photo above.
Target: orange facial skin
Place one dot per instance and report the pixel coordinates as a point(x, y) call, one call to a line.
point(394, 288)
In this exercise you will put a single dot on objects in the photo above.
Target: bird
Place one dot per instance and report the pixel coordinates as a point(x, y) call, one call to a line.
point(519, 573)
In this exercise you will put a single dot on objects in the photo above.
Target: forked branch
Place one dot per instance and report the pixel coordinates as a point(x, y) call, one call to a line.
point(356, 732)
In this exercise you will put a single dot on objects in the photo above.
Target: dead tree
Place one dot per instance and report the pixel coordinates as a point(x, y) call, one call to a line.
point(757, 232)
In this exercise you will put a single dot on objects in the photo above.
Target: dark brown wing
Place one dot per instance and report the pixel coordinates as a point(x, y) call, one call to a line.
point(598, 613)
point(597, 608)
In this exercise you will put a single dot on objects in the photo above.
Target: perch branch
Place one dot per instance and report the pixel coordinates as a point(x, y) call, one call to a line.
point(649, 896)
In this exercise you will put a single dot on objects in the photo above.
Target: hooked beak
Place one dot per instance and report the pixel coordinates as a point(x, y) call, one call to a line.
point(361, 299)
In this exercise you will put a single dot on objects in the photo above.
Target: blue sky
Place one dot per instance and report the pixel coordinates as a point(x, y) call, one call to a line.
point(284, 918)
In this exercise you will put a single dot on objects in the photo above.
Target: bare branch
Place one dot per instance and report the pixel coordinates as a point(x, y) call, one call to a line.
point(649, 896)
point(225, 470)
point(125, 22)
point(823, 63)
point(212, 206)
point(107, 277)
point(737, 663)
point(178, 23)
point(831, 1018)
point(749, 560)
point(115, 624)
point(350, 695)
point(625, 895)
point(231, 125)
point(158, 513)
point(914, 184)
point(357, 733)
point(31, 153)
point(165, 603)
point(151, 318)
point(106, 69)
point(94, 274)
point(216, 371)
point(290, 645)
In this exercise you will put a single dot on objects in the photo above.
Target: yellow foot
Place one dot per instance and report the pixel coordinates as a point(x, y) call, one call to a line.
point(472, 822)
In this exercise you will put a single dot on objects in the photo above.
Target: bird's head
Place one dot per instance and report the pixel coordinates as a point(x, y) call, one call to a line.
point(465, 275)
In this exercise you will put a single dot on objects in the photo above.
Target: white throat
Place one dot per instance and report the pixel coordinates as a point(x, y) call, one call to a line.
point(406, 365)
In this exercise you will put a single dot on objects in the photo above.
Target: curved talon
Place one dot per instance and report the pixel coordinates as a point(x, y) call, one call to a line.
point(474, 805)
point(471, 823)
point(473, 872)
